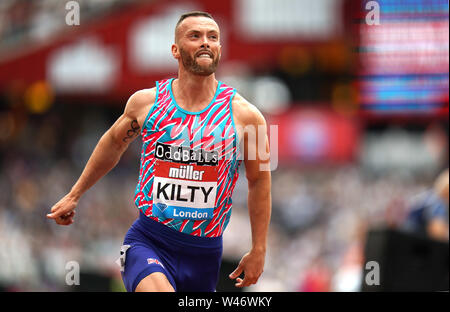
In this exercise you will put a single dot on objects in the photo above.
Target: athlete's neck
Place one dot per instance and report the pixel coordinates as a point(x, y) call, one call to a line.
point(193, 92)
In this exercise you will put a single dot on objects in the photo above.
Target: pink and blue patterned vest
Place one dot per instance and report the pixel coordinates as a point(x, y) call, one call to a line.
point(189, 163)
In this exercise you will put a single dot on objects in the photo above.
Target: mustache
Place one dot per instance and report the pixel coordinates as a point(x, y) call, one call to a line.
point(190, 62)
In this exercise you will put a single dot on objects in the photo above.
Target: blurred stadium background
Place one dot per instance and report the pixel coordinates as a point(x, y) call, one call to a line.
point(362, 115)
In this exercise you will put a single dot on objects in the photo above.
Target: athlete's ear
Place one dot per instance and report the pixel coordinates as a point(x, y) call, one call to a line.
point(175, 51)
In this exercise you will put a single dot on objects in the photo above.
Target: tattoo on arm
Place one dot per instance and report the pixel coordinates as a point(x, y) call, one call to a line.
point(133, 131)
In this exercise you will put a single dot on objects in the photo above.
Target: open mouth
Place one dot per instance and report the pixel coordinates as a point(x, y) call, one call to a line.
point(204, 54)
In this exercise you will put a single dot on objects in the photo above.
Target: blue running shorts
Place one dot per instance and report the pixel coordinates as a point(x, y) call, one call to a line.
point(190, 263)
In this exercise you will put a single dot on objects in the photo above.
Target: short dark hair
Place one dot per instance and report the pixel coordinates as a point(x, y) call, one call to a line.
point(192, 13)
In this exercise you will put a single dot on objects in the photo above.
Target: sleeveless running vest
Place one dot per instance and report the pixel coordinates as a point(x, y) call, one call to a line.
point(189, 163)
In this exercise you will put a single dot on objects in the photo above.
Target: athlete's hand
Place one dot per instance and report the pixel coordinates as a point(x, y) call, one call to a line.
point(252, 264)
point(63, 212)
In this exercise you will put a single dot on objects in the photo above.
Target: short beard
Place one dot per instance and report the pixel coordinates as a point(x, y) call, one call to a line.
point(192, 66)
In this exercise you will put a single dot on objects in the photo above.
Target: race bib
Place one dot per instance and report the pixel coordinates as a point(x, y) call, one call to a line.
point(183, 190)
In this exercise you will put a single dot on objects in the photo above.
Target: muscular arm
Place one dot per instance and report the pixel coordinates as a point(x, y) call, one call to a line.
point(259, 202)
point(259, 190)
point(106, 154)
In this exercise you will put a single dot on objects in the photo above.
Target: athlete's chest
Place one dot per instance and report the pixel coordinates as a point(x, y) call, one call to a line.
point(207, 130)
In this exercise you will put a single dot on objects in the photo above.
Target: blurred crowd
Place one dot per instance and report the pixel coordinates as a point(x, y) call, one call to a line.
point(35, 173)
point(38, 20)
point(319, 219)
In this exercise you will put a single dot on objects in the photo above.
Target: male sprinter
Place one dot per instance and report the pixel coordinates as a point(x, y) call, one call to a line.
point(188, 169)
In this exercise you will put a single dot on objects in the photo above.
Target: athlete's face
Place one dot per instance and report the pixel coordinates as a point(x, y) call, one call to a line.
point(197, 45)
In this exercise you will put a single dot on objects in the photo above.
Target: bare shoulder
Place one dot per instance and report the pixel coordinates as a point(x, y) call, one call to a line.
point(140, 99)
point(139, 104)
point(245, 113)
